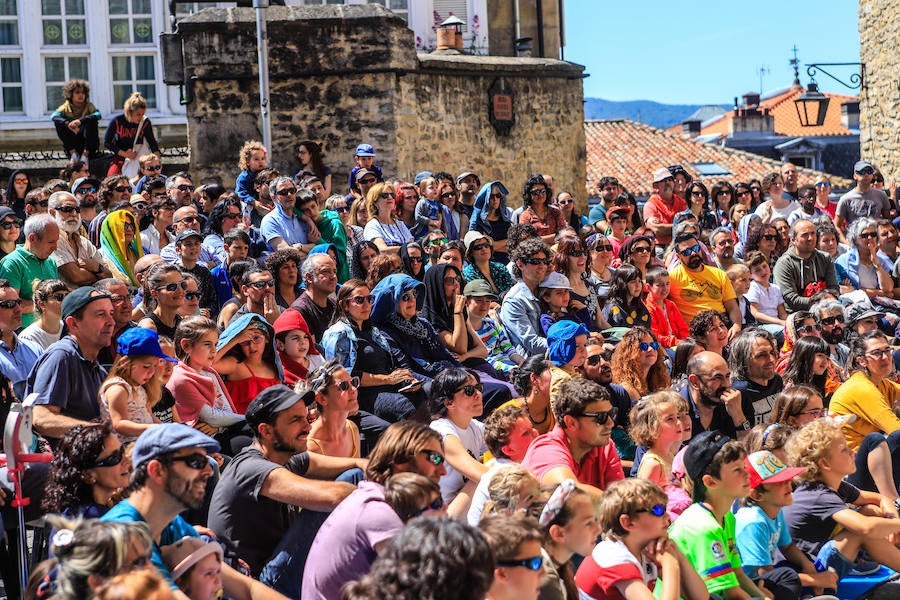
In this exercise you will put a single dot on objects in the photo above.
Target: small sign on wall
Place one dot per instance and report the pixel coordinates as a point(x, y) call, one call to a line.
point(500, 106)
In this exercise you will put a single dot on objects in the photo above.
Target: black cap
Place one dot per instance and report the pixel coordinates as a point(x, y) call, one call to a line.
point(272, 401)
point(6, 211)
point(80, 298)
point(701, 451)
point(188, 233)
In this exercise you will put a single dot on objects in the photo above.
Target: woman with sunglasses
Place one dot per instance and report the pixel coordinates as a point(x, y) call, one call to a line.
point(480, 263)
point(17, 187)
point(384, 228)
point(120, 244)
point(823, 203)
point(767, 241)
point(810, 364)
point(223, 217)
point(566, 204)
point(600, 274)
point(364, 352)
point(113, 189)
point(743, 195)
point(332, 433)
point(697, 196)
point(10, 229)
point(639, 363)
point(492, 217)
point(48, 297)
point(637, 251)
point(546, 218)
point(861, 264)
point(412, 257)
point(341, 206)
point(166, 286)
point(572, 259)
point(406, 198)
point(88, 469)
point(246, 359)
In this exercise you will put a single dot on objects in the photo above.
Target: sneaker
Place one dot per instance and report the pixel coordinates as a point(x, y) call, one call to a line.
point(864, 567)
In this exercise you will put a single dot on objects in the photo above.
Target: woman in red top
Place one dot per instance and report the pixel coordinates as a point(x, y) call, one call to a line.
point(246, 359)
point(546, 219)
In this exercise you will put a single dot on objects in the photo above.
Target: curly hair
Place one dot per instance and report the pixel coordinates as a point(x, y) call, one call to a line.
point(73, 85)
point(703, 322)
point(626, 361)
point(78, 451)
point(104, 194)
point(517, 234)
point(279, 258)
point(573, 397)
point(44, 288)
point(219, 212)
point(247, 151)
point(533, 180)
point(626, 497)
point(755, 236)
point(812, 443)
point(499, 425)
point(769, 179)
point(644, 417)
point(382, 266)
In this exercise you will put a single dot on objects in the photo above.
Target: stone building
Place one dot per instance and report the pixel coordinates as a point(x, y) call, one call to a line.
point(879, 30)
point(343, 75)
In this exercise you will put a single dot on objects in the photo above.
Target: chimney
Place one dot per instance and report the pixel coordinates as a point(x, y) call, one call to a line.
point(691, 128)
point(751, 99)
point(850, 114)
point(751, 122)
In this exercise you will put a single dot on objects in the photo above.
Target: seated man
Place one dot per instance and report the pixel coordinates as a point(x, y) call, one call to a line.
point(254, 504)
point(579, 446)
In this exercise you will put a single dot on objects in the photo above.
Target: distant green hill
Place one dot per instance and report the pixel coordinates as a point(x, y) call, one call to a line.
point(644, 111)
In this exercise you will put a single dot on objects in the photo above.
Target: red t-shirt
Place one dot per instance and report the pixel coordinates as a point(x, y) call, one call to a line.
point(599, 467)
point(662, 211)
point(611, 563)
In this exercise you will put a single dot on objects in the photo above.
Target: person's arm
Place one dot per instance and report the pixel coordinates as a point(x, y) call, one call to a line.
point(809, 577)
point(557, 475)
point(885, 283)
point(763, 317)
point(329, 467)
point(870, 527)
point(149, 137)
point(748, 588)
point(110, 139)
point(885, 506)
point(117, 403)
point(240, 587)
point(50, 422)
point(456, 341)
point(283, 486)
point(734, 313)
point(459, 458)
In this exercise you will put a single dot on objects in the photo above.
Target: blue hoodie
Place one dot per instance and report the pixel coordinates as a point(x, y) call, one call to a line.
point(479, 221)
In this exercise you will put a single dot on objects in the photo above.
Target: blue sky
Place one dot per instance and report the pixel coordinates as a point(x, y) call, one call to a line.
point(702, 51)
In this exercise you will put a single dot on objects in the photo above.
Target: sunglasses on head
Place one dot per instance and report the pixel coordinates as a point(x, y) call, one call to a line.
point(657, 510)
point(832, 320)
point(435, 458)
point(111, 460)
point(7, 225)
point(644, 346)
point(407, 296)
point(263, 284)
point(602, 417)
point(192, 295)
point(437, 504)
point(469, 390)
point(8, 304)
point(360, 300)
point(196, 461)
point(533, 563)
point(171, 287)
point(346, 384)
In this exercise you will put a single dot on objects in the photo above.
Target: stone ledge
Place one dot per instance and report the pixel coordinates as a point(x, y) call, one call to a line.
point(497, 65)
point(220, 18)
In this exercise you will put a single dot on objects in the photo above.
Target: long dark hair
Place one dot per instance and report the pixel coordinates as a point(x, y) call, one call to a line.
point(356, 269)
point(533, 180)
point(347, 289)
point(799, 370)
point(217, 215)
point(67, 488)
point(316, 164)
point(618, 288)
point(698, 186)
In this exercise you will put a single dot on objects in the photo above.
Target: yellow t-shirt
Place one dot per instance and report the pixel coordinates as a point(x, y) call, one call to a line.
point(870, 403)
point(693, 292)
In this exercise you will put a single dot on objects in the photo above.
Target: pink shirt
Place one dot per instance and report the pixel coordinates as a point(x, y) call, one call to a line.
point(598, 468)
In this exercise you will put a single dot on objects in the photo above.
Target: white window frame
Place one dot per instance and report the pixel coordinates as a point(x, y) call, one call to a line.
point(134, 81)
point(12, 84)
point(68, 75)
point(130, 17)
point(63, 17)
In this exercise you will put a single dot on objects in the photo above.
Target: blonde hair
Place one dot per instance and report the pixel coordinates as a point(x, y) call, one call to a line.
point(144, 584)
point(811, 444)
point(768, 437)
point(148, 158)
point(246, 153)
point(134, 102)
point(506, 488)
point(626, 497)
point(644, 416)
point(374, 195)
point(122, 369)
point(735, 271)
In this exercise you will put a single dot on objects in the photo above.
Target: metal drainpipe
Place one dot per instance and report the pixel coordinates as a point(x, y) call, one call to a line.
point(540, 27)
point(518, 27)
point(263, 59)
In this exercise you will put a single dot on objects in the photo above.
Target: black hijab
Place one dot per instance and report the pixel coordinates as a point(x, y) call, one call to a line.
point(407, 264)
point(356, 269)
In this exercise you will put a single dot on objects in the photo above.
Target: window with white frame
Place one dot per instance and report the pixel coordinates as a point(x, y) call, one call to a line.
point(63, 23)
point(57, 71)
point(134, 74)
point(9, 23)
point(11, 84)
point(130, 22)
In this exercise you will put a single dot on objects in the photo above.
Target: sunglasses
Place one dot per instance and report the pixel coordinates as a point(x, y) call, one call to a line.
point(232, 215)
point(416, 259)
point(360, 300)
point(407, 296)
point(753, 188)
point(435, 458)
point(482, 246)
point(196, 461)
point(7, 225)
point(640, 250)
point(346, 384)
point(185, 188)
point(577, 253)
point(20, 181)
point(536, 261)
point(594, 360)
point(438, 504)
point(866, 171)
point(42, 203)
point(154, 168)
point(447, 195)
point(341, 209)
point(8, 304)
point(603, 248)
point(697, 193)
point(171, 287)
point(386, 196)
point(192, 295)
point(868, 236)
point(263, 284)
point(832, 320)
point(286, 192)
point(808, 328)
point(122, 188)
point(116, 299)
point(452, 280)
point(188, 219)
point(438, 242)
point(743, 193)
point(367, 181)
point(57, 297)
point(690, 250)
point(770, 236)
point(127, 225)
point(168, 205)
point(602, 417)
point(644, 346)
point(532, 564)
point(469, 390)
point(496, 196)
point(657, 510)
point(111, 460)
point(140, 206)
point(87, 190)
point(538, 192)
point(565, 202)
point(823, 185)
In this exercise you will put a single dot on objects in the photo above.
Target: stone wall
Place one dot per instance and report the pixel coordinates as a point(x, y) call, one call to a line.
point(343, 75)
point(879, 30)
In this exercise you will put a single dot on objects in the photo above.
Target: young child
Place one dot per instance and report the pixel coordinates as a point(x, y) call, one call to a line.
point(164, 410)
point(236, 245)
point(293, 341)
point(364, 157)
point(760, 528)
point(566, 351)
point(554, 294)
point(655, 424)
point(196, 567)
point(502, 354)
point(512, 489)
point(131, 389)
point(251, 161)
point(739, 275)
point(705, 531)
point(515, 541)
point(429, 210)
point(766, 301)
point(188, 245)
point(636, 549)
point(666, 321)
point(824, 501)
point(624, 307)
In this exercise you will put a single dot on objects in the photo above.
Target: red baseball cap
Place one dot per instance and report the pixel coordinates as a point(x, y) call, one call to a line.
point(765, 467)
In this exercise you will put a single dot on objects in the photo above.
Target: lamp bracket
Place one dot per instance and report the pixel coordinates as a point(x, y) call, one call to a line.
point(857, 77)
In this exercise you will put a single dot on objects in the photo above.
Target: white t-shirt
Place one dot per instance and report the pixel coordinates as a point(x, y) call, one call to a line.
point(37, 336)
point(481, 495)
point(472, 439)
point(766, 298)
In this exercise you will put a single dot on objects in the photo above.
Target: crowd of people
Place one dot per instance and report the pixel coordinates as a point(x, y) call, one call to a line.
point(409, 389)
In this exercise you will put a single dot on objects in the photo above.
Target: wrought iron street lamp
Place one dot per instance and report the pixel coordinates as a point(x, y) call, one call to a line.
point(812, 105)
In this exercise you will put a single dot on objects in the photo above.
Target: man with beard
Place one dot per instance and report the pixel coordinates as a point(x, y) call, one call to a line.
point(722, 245)
point(78, 261)
point(712, 402)
point(802, 270)
point(520, 311)
point(829, 314)
point(696, 287)
point(171, 469)
point(468, 184)
point(255, 503)
point(752, 357)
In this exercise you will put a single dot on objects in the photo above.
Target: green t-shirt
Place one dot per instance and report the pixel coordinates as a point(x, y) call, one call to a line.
point(22, 268)
point(708, 546)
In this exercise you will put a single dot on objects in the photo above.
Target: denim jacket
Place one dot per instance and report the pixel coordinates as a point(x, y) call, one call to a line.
point(339, 341)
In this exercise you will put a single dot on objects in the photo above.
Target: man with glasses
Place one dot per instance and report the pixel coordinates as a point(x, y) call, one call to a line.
point(521, 309)
point(803, 270)
point(254, 505)
point(180, 188)
point(722, 245)
point(362, 181)
point(16, 356)
point(661, 207)
point(608, 187)
point(171, 469)
point(864, 200)
point(187, 218)
point(121, 301)
point(752, 358)
point(696, 287)
point(598, 368)
point(712, 403)
point(85, 191)
point(829, 314)
point(316, 303)
point(32, 261)
point(78, 261)
point(258, 287)
point(578, 446)
point(282, 227)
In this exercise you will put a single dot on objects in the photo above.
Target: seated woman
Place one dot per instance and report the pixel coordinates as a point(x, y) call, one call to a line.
point(120, 244)
point(532, 380)
point(709, 330)
point(412, 257)
point(223, 217)
point(480, 263)
point(571, 259)
point(332, 433)
point(166, 286)
point(363, 253)
point(639, 364)
point(246, 359)
point(384, 229)
point(861, 264)
point(284, 265)
point(491, 217)
point(364, 352)
point(88, 471)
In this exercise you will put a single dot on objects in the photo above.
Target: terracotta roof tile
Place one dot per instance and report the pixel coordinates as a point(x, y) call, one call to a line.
point(631, 151)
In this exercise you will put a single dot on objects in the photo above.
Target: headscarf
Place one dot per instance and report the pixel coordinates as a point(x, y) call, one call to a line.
point(356, 269)
point(479, 220)
point(435, 307)
point(387, 296)
point(244, 321)
point(561, 341)
point(744, 226)
point(112, 243)
point(407, 263)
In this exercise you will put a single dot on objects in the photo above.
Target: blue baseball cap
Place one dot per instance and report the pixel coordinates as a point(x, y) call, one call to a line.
point(169, 437)
point(365, 150)
point(140, 341)
point(422, 175)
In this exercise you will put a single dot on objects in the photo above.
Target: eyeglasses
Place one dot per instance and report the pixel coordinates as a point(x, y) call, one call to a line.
point(196, 461)
point(601, 417)
point(644, 346)
point(286, 192)
point(866, 171)
point(111, 460)
point(532, 564)
point(7, 225)
point(469, 390)
point(868, 236)
point(437, 504)
point(116, 299)
point(640, 250)
point(346, 384)
point(690, 250)
point(192, 295)
point(407, 296)
point(481, 246)
point(233, 215)
point(538, 192)
point(263, 284)
point(435, 458)
point(42, 203)
point(9, 304)
point(657, 510)
point(447, 195)
point(815, 412)
point(153, 168)
point(184, 187)
point(122, 188)
point(57, 297)
point(808, 328)
point(832, 320)
point(769, 236)
point(341, 209)
point(823, 185)
point(360, 300)
point(876, 354)
point(536, 261)
point(188, 219)
point(87, 190)
point(171, 287)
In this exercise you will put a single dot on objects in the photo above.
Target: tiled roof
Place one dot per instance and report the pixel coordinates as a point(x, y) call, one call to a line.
point(631, 151)
point(781, 106)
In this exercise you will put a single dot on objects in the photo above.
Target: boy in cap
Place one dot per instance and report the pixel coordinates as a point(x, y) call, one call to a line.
point(188, 246)
point(705, 531)
point(502, 354)
point(364, 157)
point(761, 528)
